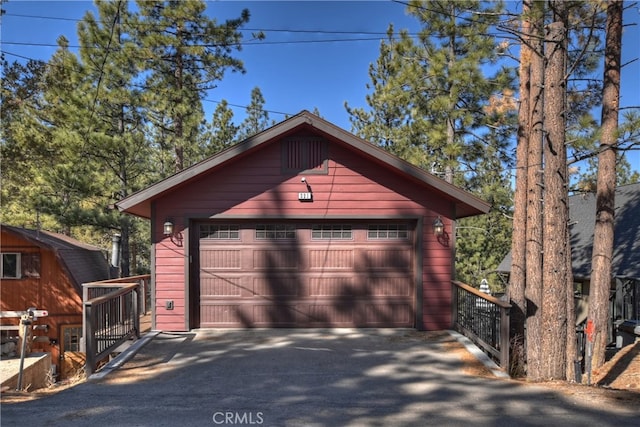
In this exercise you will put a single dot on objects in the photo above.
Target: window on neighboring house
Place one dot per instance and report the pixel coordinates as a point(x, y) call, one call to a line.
point(10, 265)
point(304, 154)
point(71, 335)
point(30, 265)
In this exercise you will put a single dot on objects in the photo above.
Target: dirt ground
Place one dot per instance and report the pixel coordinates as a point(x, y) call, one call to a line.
point(616, 383)
point(623, 370)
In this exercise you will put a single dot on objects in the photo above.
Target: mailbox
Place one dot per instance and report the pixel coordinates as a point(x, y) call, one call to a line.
point(35, 313)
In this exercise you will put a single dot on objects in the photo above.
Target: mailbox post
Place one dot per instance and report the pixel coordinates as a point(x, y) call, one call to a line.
point(25, 322)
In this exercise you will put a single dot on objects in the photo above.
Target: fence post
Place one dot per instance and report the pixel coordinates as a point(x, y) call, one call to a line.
point(139, 293)
point(504, 338)
point(454, 304)
point(136, 314)
point(85, 297)
point(90, 344)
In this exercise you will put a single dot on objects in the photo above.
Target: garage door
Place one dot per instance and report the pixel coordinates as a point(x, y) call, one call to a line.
point(320, 274)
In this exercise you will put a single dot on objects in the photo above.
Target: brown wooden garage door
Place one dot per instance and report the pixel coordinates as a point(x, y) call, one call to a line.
point(320, 274)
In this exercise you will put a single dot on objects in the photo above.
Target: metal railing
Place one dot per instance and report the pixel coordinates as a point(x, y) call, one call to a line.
point(111, 316)
point(483, 319)
point(96, 289)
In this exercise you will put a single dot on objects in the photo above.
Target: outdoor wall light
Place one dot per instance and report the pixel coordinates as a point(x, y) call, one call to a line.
point(168, 228)
point(438, 227)
point(305, 196)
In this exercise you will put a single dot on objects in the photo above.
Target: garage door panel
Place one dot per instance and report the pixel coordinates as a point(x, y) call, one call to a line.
point(283, 286)
point(331, 258)
point(215, 315)
point(329, 314)
point(401, 286)
point(331, 286)
point(276, 315)
point(227, 259)
point(302, 281)
point(388, 259)
point(220, 286)
point(275, 259)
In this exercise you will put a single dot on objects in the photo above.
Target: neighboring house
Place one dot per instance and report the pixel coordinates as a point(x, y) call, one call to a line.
point(46, 270)
point(625, 271)
point(302, 225)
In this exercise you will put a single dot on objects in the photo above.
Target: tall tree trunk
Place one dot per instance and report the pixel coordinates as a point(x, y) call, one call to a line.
point(555, 220)
point(451, 128)
point(606, 185)
point(533, 272)
point(124, 184)
point(178, 116)
point(124, 220)
point(518, 239)
point(571, 343)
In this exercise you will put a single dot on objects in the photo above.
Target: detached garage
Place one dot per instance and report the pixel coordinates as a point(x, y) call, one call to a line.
point(302, 225)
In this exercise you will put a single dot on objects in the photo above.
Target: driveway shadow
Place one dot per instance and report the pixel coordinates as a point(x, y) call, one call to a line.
point(317, 377)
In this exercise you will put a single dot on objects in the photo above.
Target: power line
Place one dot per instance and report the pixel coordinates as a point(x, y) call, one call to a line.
point(272, 30)
point(252, 43)
point(18, 15)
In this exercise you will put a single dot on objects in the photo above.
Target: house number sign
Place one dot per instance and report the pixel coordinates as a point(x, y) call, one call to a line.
point(305, 196)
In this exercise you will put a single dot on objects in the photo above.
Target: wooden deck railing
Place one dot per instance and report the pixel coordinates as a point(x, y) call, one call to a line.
point(484, 320)
point(111, 315)
point(96, 289)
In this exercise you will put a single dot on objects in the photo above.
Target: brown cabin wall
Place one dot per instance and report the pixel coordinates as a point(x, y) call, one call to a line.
point(52, 291)
point(256, 187)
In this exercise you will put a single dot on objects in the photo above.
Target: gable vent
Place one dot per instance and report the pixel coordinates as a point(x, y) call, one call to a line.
point(304, 154)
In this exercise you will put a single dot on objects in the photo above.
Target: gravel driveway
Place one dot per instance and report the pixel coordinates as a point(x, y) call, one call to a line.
point(295, 377)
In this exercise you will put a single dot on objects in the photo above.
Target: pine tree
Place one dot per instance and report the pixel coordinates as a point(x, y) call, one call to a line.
point(534, 185)
point(116, 141)
point(434, 105)
point(186, 53)
point(388, 122)
point(448, 81)
point(516, 289)
point(600, 287)
point(557, 102)
point(54, 135)
point(429, 95)
point(257, 118)
point(222, 132)
point(20, 147)
point(483, 241)
point(555, 277)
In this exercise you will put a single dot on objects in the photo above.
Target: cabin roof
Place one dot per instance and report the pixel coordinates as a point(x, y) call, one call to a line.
point(582, 219)
point(83, 263)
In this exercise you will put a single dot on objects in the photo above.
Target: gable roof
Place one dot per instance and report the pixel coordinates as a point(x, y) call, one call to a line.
point(466, 204)
point(626, 244)
point(83, 263)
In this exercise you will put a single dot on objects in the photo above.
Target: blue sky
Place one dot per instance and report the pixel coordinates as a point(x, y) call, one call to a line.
point(294, 70)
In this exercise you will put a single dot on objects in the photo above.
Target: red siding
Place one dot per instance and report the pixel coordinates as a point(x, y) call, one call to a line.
point(254, 186)
point(52, 291)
